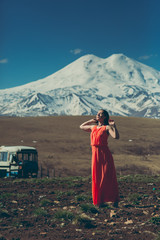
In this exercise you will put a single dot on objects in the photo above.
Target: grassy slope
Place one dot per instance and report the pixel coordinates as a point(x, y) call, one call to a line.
point(64, 147)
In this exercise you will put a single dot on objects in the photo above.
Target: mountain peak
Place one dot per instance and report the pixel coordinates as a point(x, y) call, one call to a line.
point(118, 84)
point(89, 57)
point(118, 57)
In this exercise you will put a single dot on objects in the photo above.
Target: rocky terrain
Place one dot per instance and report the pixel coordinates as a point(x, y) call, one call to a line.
point(61, 208)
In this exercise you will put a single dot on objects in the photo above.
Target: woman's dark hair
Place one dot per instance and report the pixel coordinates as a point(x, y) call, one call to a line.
point(107, 117)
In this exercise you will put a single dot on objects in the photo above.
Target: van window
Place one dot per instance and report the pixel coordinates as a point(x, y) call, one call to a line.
point(27, 157)
point(32, 157)
point(3, 156)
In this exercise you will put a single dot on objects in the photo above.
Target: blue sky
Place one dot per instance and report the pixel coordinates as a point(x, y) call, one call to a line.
point(39, 37)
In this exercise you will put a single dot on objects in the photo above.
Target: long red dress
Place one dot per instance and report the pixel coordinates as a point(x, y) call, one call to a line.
point(104, 180)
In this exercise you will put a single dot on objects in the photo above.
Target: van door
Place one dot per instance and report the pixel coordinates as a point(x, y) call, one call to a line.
point(13, 164)
point(4, 164)
point(28, 162)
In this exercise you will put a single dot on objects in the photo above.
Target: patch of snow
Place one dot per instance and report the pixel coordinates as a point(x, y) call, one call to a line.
point(118, 84)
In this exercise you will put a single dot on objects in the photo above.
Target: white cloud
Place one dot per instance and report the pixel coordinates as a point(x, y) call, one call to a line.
point(76, 51)
point(4, 60)
point(146, 57)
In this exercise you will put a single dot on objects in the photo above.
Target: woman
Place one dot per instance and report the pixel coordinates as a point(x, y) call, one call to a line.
point(104, 180)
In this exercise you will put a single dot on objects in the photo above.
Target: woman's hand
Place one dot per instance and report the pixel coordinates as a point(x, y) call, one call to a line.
point(94, 120)
point(111, 122)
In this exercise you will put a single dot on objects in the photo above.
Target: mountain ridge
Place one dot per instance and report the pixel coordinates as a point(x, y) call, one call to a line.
point(119, 84)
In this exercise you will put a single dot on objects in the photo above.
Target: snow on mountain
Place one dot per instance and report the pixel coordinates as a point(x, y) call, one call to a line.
point(118, 84)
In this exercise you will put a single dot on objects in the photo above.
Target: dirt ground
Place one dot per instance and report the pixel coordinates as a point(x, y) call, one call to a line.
point(61, 208)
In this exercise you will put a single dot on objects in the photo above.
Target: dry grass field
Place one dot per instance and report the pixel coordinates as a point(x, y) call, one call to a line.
point(65, 150)
point(61, 207)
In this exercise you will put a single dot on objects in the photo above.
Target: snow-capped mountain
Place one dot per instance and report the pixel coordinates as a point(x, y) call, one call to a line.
point(118, 84)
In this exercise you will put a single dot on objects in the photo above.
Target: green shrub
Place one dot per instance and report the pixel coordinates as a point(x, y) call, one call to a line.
point(21, 195)
point(6, 195)
point(4, 213)
point(1, 205)
point(84, 222)
point(81, 197)
point(70, 193)
point(155, 220)
point(134, 198)
point(39, 212)
point(59, 194)
point(45, 202)
point(88, 208)
point(64, 215)
point(138, 178)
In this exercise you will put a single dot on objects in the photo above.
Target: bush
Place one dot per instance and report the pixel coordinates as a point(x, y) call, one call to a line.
point(155, 220)
point(89, 208)
point(134, 198)
point(39, 212)
point(64, 215)
point(45, 202)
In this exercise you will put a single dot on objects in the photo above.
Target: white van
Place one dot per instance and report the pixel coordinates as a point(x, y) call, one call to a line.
point(20, 161)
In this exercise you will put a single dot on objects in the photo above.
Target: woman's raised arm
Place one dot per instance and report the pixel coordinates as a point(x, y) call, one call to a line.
point(88, 125)
point(112, 129)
